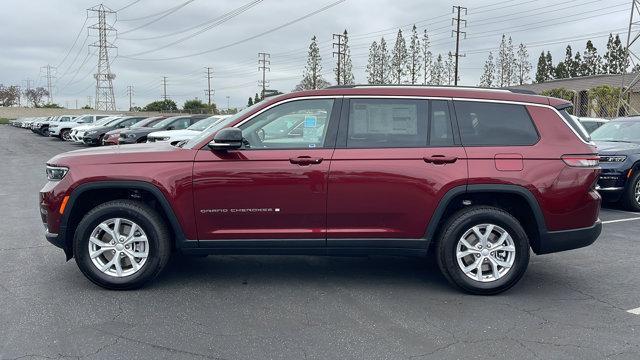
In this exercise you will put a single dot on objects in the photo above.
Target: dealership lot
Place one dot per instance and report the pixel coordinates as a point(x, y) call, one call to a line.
point(571, 305)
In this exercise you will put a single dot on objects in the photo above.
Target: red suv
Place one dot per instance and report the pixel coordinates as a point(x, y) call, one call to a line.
point(478, 177)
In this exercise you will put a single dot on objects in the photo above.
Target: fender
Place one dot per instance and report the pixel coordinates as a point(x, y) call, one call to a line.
point(485, 188)
point(129, 185)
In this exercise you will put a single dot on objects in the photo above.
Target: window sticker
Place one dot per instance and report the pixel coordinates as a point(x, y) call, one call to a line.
point(310, 121)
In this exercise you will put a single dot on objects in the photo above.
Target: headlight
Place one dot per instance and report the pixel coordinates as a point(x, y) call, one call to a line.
point(130, 136)
point(56, 173)
point(613, 158)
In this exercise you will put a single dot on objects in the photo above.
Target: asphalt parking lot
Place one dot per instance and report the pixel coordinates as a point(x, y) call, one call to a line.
point(571, 305)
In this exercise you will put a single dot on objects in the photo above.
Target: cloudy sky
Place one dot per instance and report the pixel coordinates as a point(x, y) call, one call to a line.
point(179, 38)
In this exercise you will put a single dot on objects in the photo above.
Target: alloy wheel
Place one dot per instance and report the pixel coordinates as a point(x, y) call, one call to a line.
point(118, 247)
point(485, 252)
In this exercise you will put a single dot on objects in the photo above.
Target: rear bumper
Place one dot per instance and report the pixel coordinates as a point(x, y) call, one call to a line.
point(556, 241)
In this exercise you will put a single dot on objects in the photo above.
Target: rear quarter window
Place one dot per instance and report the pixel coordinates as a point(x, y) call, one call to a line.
point(495, 124)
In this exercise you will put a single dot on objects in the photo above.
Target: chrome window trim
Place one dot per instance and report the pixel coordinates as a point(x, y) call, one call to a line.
point(286, 101)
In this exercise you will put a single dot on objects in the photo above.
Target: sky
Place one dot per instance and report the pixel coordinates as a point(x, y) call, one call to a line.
point(179, 38)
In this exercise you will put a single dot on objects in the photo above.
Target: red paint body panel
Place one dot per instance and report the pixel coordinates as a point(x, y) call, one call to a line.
point(388, 193)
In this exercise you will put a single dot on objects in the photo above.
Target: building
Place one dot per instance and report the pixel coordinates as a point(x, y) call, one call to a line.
point(580, 86)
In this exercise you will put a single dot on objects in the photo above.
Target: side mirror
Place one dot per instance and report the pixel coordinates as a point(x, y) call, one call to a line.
point(171, 127)
point(225, 139)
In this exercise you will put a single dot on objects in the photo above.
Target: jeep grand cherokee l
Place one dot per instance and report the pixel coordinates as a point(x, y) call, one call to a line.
point(479, 177)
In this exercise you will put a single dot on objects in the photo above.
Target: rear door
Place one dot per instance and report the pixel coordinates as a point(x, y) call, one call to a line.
point(395, 159)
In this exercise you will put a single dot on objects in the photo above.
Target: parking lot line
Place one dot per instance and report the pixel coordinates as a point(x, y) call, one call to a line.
point(635, 311)
point(620, 211)
point(620, 220)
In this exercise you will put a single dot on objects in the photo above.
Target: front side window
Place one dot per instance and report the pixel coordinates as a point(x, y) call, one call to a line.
point(387, 123)
point(180, 124)
point(494, 124)
point(293, 125)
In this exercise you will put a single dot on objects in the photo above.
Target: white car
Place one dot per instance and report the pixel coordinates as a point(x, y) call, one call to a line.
point(77, 133)
point(175, 136)
point(63, 129)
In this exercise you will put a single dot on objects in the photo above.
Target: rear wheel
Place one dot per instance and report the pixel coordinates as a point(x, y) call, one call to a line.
point(483, 250)
point(631, 196)
point(121, 244)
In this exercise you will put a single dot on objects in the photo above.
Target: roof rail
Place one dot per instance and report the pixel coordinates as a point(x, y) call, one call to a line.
point(513, 90)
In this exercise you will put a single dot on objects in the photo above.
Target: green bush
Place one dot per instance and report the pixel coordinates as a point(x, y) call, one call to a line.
point(4, 121)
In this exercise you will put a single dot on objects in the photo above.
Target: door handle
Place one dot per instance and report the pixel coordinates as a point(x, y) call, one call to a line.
point(440, 159)
point(305, 160)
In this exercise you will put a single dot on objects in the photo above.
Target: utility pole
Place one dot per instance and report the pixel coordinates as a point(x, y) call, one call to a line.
point(227, 103)
point(264, 60)
point(209, 92)
point(89, 101)
point(76, 104)
point(457, 20)
point(340, 53)
point(164, 87)
point(49, 75)
point(130, 93)
point(105, 100)
point(631, 56)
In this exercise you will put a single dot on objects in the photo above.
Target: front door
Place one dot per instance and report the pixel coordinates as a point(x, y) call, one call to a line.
point(275, 186)
point(394, 160)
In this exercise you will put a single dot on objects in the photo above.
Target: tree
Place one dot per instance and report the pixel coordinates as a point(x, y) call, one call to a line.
point(198, 106)
point(346, 67)
point(384, 63)
point(603, 100)
point(448, 69)
point(578, 67)
point(523, 66)
point(560, 93)
point(414, 64)
point(610, 64)
point(399, 59)
point(505, 73)
point(161, 105)
point(561, 71)
point(437, 72)
point(616, 60)
point(36, 95)
point(541, 69)
point(9, 96)
point(427, 57)
point(487, 79)
point(373, 63)
point(250, 101)
point(591, 60)
point(312, 76)
point(257, 99)
point(88, 107)
point(621, 55)
point(51, 106)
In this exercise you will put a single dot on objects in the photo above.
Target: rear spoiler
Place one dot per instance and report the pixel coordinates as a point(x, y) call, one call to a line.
point(563, 106)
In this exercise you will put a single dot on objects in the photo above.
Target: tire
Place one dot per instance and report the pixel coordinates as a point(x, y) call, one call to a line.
point(64, 134)
point(628, 199)
point(157, 246)
point(515, 250)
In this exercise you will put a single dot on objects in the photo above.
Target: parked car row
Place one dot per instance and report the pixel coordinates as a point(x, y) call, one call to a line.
point(101, 129)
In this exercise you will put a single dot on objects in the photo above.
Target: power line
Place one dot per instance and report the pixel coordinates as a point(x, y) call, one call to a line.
point(157, 19)
point(315, 12)
point(128, 5)
point(74, 42)
point(173, 9)
point(212, 22)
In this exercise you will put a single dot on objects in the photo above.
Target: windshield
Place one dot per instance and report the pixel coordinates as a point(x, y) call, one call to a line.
point(111, 120)
point(622, 131)
point(204, 123)
point(102, 121)
point(146, 122)
point(219, 125)
point(166, 121)
point(84, 119)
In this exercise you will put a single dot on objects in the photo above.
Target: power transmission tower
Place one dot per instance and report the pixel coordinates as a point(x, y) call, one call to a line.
point(105, 100)
point(209, 92)
point(340, 53)
point(457, 20)
point(49, 75)
point(633, 59)
point(264, 60)
point(164, 87)
point(130, 92)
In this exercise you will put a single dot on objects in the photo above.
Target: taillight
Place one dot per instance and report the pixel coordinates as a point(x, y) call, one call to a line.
point(581, 160)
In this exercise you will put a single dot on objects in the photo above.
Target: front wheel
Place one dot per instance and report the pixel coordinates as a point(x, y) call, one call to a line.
point(631, 195)
point(121, 244)
point(483, 250)
point(65, 134)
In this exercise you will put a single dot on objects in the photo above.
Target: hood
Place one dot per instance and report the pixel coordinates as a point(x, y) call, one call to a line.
point(617, 148)
point(174, 133)
point(116, 154)
point(140, 130)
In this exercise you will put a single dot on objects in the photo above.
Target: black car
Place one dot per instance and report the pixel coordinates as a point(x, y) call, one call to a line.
point(618, 143)
point(94, 135)
point(138, 135)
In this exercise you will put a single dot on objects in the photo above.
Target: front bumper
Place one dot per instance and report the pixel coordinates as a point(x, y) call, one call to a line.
point(556, 241)
point(127, 140)
point(54, 239)
point(91, 140)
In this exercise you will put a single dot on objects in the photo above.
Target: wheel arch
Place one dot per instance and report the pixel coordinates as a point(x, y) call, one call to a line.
point(87, 196)
point(515, 199)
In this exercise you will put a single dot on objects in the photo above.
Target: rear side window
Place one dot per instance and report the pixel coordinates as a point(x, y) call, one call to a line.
point(387, 123)
point(575, 125)
point(494, 124)
point(440, 131)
